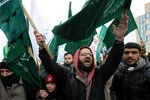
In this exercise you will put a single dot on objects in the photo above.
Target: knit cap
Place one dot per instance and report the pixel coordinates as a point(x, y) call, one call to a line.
point(50, 78)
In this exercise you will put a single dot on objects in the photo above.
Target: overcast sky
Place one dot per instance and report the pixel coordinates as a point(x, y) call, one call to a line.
point(57, 10)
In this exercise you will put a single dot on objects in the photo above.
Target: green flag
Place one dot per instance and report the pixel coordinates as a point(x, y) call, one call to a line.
point(72, 47)
point(101, 36)
point(21, 62)
point(12, 20)
point(54, 45)
point(73, 28)
point(94, 14)
point(18, 58)
point(69, 11)
point(109, 38)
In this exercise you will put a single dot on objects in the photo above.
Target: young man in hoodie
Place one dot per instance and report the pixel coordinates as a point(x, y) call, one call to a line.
point(132, 79)
point(86, 82)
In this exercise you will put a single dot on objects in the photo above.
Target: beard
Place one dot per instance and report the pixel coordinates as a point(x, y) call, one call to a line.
point(131, 65)
point(68, 65)
point(83, 67)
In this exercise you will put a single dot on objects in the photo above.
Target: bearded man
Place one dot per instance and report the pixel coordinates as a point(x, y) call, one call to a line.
point(86, 82)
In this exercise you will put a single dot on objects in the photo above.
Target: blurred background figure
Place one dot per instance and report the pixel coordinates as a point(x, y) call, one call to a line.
point(68, 61)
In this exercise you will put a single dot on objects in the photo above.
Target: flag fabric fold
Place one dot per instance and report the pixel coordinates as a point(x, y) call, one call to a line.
point(72, 46)
point(12, 20)
point(94, 14)
point(79, 26)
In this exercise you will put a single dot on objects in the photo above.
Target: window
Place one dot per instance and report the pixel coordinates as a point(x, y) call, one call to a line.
point(147, 15)
point(148, 26)
point(148, 38)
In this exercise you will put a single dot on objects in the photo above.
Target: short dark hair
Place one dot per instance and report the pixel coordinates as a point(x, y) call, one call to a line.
point(133, 45)
point(67, 54)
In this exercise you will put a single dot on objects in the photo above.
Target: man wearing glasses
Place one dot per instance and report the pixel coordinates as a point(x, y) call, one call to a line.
point(86, 82)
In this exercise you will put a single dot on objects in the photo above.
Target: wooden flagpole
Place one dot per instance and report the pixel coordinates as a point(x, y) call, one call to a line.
point(34, 27)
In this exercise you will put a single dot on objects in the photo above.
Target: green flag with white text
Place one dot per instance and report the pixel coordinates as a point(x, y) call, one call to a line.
point(94, 14)
point(21, 62)
point(15, 27)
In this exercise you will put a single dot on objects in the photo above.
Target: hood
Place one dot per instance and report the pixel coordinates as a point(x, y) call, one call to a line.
point(75, 63)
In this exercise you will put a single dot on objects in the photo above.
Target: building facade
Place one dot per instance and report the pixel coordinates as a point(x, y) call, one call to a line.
point(143, 23)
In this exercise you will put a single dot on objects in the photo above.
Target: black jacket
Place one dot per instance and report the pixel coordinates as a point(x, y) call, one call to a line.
point(74, 88)
point(132, 85)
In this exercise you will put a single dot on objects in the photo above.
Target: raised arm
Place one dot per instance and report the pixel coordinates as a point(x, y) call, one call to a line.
point(119, 32)
point(116, 52)
point(50, 65)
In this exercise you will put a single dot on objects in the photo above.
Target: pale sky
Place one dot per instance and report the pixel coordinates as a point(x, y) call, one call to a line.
point(57, 10)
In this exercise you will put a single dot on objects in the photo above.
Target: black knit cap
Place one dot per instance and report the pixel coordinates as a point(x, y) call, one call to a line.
point(3, 64)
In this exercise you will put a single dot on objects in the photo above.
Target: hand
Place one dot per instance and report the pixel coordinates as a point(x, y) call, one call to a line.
point(39, 39)
point(43, 93)
point(120, 31)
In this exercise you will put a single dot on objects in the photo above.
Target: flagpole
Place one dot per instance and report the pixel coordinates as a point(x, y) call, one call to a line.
point(34, 27)
point(139, 33)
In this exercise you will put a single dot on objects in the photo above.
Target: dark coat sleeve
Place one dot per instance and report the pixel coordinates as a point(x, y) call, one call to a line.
point(113, 60)
point(52, 67)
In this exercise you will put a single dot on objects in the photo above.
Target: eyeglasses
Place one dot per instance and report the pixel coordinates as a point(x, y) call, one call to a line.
point(85, 54)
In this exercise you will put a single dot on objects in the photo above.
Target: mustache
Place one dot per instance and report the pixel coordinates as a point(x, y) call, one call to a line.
point(87, 59)
point(130, 59)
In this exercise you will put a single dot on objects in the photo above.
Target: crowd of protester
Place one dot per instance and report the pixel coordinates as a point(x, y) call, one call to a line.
point(124, 74)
